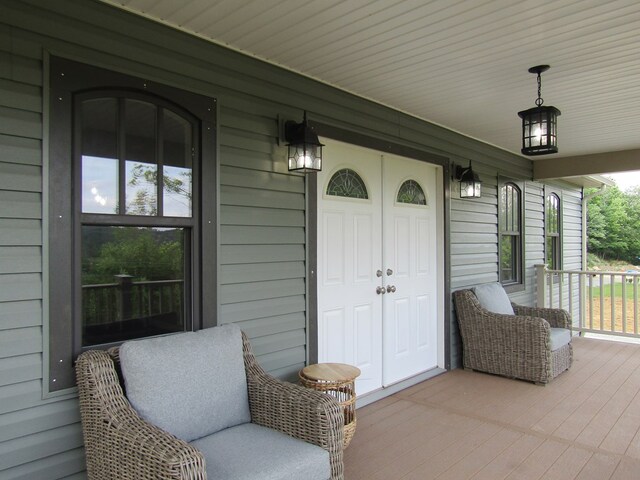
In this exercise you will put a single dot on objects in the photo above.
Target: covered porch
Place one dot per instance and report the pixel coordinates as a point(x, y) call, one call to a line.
point(463, 424)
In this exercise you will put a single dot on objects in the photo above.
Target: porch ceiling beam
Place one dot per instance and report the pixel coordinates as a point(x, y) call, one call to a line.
point(581, 165)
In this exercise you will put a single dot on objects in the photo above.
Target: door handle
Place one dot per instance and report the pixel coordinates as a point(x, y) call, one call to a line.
point(389, 272)
point(380, 290)
point(391, 288)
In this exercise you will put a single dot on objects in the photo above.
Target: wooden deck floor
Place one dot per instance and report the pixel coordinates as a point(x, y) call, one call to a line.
point(463, 425)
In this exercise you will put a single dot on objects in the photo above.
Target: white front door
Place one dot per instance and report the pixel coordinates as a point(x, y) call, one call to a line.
point(411, 277)
point(379, 281)
point(349, 256)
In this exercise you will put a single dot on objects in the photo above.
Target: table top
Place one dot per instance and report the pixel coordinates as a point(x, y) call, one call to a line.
point(331, 372)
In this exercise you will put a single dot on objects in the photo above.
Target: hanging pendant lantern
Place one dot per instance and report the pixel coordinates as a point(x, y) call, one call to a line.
point(539, 124)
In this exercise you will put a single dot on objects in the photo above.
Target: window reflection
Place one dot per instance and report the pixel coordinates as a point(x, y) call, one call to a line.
point(99, 185)
point(99, 156)
point(177, 169)
point(133, 282)
point(141, 163)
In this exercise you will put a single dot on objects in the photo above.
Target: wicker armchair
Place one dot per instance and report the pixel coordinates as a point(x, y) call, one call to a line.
point(121, 445)
point(517, 346)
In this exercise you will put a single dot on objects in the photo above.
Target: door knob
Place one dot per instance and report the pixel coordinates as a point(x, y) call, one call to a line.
point(378, 273)
point(380, 290)
point(389, 272)
point(391, 288)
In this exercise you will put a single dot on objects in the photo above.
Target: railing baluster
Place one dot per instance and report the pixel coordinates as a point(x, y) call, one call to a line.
point(613, 303)
point(624, 303)
point(601, 278)
point(635, 305)
point(570, 278)
point(581, 303)
point(591, 302)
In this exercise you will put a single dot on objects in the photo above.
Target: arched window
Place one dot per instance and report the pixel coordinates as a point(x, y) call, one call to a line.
point(411, 192)
point(510, 232)
point(553, 244)
point(347, 183)
point(126, 215)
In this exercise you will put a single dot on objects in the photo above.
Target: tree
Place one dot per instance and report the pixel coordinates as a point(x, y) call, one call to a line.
point(144, 253)
point(613, 224)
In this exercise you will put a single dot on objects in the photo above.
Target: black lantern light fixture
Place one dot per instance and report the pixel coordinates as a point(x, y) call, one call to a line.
point(470, 184)
point(305, 150)
point(539, 124)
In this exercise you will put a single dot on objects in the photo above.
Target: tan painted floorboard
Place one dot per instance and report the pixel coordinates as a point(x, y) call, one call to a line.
point(468, 425)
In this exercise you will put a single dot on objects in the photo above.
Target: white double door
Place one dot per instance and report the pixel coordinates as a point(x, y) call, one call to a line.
point(379, 278)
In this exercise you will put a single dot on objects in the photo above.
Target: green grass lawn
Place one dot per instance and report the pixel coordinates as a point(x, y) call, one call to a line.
point(617, 291)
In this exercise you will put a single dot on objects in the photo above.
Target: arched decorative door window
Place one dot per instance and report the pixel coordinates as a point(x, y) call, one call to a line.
point(412, 193)
point(347, 183)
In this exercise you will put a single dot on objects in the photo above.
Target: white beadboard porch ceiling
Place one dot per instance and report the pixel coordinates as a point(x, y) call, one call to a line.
point(459, 63)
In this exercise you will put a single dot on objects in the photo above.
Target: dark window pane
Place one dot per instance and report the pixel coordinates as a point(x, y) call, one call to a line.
point(506, 259)
point(99, 156)
point(178, 165)
point(553, 214)
point(133, 282)
point(141, 162)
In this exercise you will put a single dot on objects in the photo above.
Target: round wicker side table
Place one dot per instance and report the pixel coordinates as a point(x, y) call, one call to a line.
point(338, 380)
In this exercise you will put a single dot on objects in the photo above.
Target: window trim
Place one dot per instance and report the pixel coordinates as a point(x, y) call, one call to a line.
point(549, 191)
point(519, 283)
point(68, 78)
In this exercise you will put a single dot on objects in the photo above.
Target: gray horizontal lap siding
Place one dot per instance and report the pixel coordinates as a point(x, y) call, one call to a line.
point(262, 236)
point(262, 229)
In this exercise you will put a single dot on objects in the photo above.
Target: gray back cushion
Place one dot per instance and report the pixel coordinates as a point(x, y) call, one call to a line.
point(492, 297)
point(190, 384)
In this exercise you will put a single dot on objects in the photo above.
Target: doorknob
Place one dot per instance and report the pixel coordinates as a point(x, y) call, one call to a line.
point(380, 290)
point(378, 273)
point(391, 288)
point(389, 272)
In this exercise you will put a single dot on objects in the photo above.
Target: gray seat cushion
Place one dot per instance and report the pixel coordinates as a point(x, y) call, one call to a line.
point(190, 384)
point(251, 451)
point(493, 298)
point(559, 337)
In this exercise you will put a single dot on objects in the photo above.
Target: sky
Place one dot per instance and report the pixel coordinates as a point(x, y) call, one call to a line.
point(626, 180)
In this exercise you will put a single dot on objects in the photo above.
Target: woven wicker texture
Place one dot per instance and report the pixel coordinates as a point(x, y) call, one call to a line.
point(337, 380)
point(120, 445)
point(515, 346)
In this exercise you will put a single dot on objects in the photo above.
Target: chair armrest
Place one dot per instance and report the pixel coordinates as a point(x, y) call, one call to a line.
point(556, 317)
point(305, 414)
point(117, 440)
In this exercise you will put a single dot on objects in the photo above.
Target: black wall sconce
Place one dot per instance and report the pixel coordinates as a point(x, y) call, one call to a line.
point(304, 148)
point(539, 124)
point(470, 184)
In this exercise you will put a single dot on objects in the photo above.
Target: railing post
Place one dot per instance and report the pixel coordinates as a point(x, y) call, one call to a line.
point(541, 279)
point(123, 295)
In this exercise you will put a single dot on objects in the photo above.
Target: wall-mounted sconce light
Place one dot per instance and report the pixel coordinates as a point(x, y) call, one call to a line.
point(470, 184)
point(305, 150)
point(539, 124)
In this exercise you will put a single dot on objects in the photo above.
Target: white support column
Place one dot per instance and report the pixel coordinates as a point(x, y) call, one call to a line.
point(541, 279)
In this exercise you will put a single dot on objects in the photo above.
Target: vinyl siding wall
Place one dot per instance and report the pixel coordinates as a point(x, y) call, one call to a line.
point(262, 208)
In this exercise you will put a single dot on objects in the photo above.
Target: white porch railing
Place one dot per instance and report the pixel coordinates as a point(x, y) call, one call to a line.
point(599, 302)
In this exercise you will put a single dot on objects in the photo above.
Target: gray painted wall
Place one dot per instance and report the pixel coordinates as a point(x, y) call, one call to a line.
point(262, 207)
